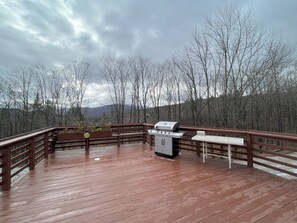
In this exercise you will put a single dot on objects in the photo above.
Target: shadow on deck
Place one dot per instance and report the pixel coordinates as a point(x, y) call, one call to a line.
point(131, 184)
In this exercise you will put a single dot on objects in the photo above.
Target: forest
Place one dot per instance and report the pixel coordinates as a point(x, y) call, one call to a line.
point(233, 73)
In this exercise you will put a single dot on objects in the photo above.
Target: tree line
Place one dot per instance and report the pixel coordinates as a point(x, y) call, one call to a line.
point(33, 97)
point(233, 73)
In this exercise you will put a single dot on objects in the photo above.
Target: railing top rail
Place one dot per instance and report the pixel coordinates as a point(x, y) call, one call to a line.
point(276, 135)
point(282, 136)
point(126, 125)
point(13, 140)
point(26, 133)
point(215, 130)
point(112, 126)
point(149, 124)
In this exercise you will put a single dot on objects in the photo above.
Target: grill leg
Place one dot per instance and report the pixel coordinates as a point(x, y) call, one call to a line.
point(203, 149)
point(229, 155)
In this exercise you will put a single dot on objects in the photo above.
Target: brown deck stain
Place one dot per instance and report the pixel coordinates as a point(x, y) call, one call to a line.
point(131, 184)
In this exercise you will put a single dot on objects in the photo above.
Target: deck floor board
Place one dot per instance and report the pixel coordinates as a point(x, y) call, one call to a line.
point(131, 184)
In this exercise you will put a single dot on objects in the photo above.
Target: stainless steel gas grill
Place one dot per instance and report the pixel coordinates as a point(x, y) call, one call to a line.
point(166, 138)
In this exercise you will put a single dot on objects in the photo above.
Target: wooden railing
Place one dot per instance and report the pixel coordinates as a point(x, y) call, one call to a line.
point(22, 152)
point(274, 151)
point(125, 133)
point(270, 150)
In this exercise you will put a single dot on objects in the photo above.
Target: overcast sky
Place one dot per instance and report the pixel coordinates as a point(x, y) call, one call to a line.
point(53, 32)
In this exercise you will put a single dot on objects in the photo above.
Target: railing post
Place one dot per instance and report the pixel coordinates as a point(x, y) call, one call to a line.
point(87, 145)
point(151, 141)
point(45, 141)
point(87, 142)
point(118, 136)
point(249, 148)
point(52, 142)
point(143, 138)
point(6, 169)
point(143, 135)
point(32, 154)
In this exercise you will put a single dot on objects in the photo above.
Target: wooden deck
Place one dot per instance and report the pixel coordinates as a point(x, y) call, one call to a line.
point(131, 184)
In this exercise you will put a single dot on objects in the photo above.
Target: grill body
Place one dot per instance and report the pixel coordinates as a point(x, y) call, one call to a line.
point(166, 138)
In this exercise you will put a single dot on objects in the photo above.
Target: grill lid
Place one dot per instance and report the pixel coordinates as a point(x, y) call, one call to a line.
point(167, 126)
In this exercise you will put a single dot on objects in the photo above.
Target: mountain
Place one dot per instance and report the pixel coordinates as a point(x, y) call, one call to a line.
point(99, 111)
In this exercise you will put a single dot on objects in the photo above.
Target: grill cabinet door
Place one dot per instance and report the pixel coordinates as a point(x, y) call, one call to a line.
point(167, 146)
point(163, 145)
point(158, 144)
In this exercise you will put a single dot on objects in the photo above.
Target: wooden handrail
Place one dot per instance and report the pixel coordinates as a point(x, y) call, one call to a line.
point(17, 139)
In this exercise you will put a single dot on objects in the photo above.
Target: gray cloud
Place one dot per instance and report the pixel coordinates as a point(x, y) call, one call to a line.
point(53, 32)
point(279, 15)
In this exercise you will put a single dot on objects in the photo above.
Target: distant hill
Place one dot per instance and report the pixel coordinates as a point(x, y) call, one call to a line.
point(98, 111)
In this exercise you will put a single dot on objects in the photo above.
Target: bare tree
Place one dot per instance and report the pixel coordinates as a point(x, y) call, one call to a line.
point(179, 88)
point(290, 100)
point(7, 102)
point(234, 55)
point(42, 80)
point(156, 90)
point(202, 53)
point(172, 90)
point(115, 73)
point(279, 59)
point(192, 81)
point(141, 77)
point(58, 97)
point(76, 82)
point(20, 80)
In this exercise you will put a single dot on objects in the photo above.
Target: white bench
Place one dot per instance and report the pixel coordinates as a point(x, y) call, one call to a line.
point(217, 139)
